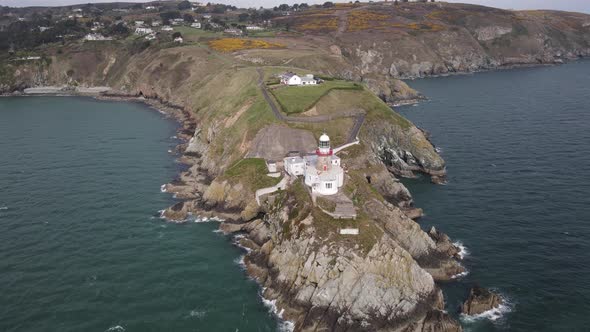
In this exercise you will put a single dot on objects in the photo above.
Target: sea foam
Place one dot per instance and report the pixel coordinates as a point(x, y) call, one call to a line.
point(463, 251)
point(493, 315)
point(2, 208)
point(163, 188)
point(117, 328)
point(284, 325)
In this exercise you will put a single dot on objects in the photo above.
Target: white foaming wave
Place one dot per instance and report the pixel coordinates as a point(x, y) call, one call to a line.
point(197, 313)
point(460, 275)
point(463, 251)
point(236, 242)
point(217, 231)
point(240, 261)
point(117, 328)
point(284, 325)
point(3, 208)
point(163, 188)
point(493, 314)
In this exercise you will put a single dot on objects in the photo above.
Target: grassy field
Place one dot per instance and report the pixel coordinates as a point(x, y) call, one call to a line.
point(252, 173)
point(192, 34)
point(298, 99)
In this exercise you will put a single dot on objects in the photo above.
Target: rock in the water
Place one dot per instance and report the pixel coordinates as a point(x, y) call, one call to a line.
point(480, 300)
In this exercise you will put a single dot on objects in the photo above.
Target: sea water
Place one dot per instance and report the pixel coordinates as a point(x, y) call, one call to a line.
point(81, 246)
point(517, 147)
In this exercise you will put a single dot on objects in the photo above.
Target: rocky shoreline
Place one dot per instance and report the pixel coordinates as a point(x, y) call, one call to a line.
point(263, 239)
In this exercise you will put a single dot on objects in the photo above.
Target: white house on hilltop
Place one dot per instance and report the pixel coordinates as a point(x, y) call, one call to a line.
point(290, 78)
point(322, 171)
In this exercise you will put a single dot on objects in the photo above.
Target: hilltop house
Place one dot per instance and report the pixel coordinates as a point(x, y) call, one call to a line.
point(196, 25)
point(290, 78)
point(167, 28)
point(178, 40)
point(322, 171)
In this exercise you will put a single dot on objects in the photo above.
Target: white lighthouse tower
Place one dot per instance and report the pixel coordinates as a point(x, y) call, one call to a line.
point(322, 169)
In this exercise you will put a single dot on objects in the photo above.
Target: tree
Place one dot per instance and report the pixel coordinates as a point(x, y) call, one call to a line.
point(243, 17)
point(328, 4)
point(184, 5)
point(284, 7)
point(166, 16)
point(295, 6)
point(176, 34)
point(188, 18)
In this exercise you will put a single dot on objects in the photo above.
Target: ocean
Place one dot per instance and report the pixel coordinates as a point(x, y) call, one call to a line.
point(81, 245)
point(517, 147)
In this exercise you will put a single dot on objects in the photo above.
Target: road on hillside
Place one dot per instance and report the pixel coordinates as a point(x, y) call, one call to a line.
point(359, 115)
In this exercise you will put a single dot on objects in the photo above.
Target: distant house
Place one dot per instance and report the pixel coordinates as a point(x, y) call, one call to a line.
point(151, 36)
point(96, 37)
point(207, 16)
point(143, 31)
point(156, 23)
point(150, 8)
point(139, 23)
point(177, 21)
point(235, 32)
point(196, 25)
point(254, 28)
point(167, 28)
point(44, 28)
point(179, 40)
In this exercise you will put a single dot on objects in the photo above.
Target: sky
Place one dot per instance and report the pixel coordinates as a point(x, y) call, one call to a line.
point(570, 5)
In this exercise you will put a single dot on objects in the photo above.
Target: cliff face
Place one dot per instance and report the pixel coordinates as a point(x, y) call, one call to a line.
point(384, 42)
point(321, 281)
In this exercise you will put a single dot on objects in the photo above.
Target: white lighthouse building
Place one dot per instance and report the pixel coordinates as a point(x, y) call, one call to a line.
point(322, 170)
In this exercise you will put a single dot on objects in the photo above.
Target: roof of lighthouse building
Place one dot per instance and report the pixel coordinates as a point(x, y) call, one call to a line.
point(324, 138)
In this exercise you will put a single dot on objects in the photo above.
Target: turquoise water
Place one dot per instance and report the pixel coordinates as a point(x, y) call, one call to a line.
point(80, 248)
point(517, 147)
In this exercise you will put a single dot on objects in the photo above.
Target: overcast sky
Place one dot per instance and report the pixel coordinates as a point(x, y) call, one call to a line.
point(571, 5)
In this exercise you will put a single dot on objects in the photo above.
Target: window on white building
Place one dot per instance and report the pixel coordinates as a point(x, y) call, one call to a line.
point(329, 185)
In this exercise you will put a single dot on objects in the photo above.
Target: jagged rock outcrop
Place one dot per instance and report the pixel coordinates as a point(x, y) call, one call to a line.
point(340, 285)
point(404, 149)
point(480, 300)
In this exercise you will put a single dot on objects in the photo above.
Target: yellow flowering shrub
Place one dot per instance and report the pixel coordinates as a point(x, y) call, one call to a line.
point(237, 44)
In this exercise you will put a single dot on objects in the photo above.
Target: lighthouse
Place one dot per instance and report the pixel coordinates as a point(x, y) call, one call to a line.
point(324, 153)
point(321, 170)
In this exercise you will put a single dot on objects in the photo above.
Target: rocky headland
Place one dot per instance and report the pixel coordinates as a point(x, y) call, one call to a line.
point(386, 278)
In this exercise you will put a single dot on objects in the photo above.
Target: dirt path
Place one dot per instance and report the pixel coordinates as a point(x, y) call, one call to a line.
point(358, 114)
point(342, 22)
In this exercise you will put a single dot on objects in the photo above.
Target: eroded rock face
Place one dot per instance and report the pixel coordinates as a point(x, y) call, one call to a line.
point(480, 300)
point(323, 282)
point(404, 151)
